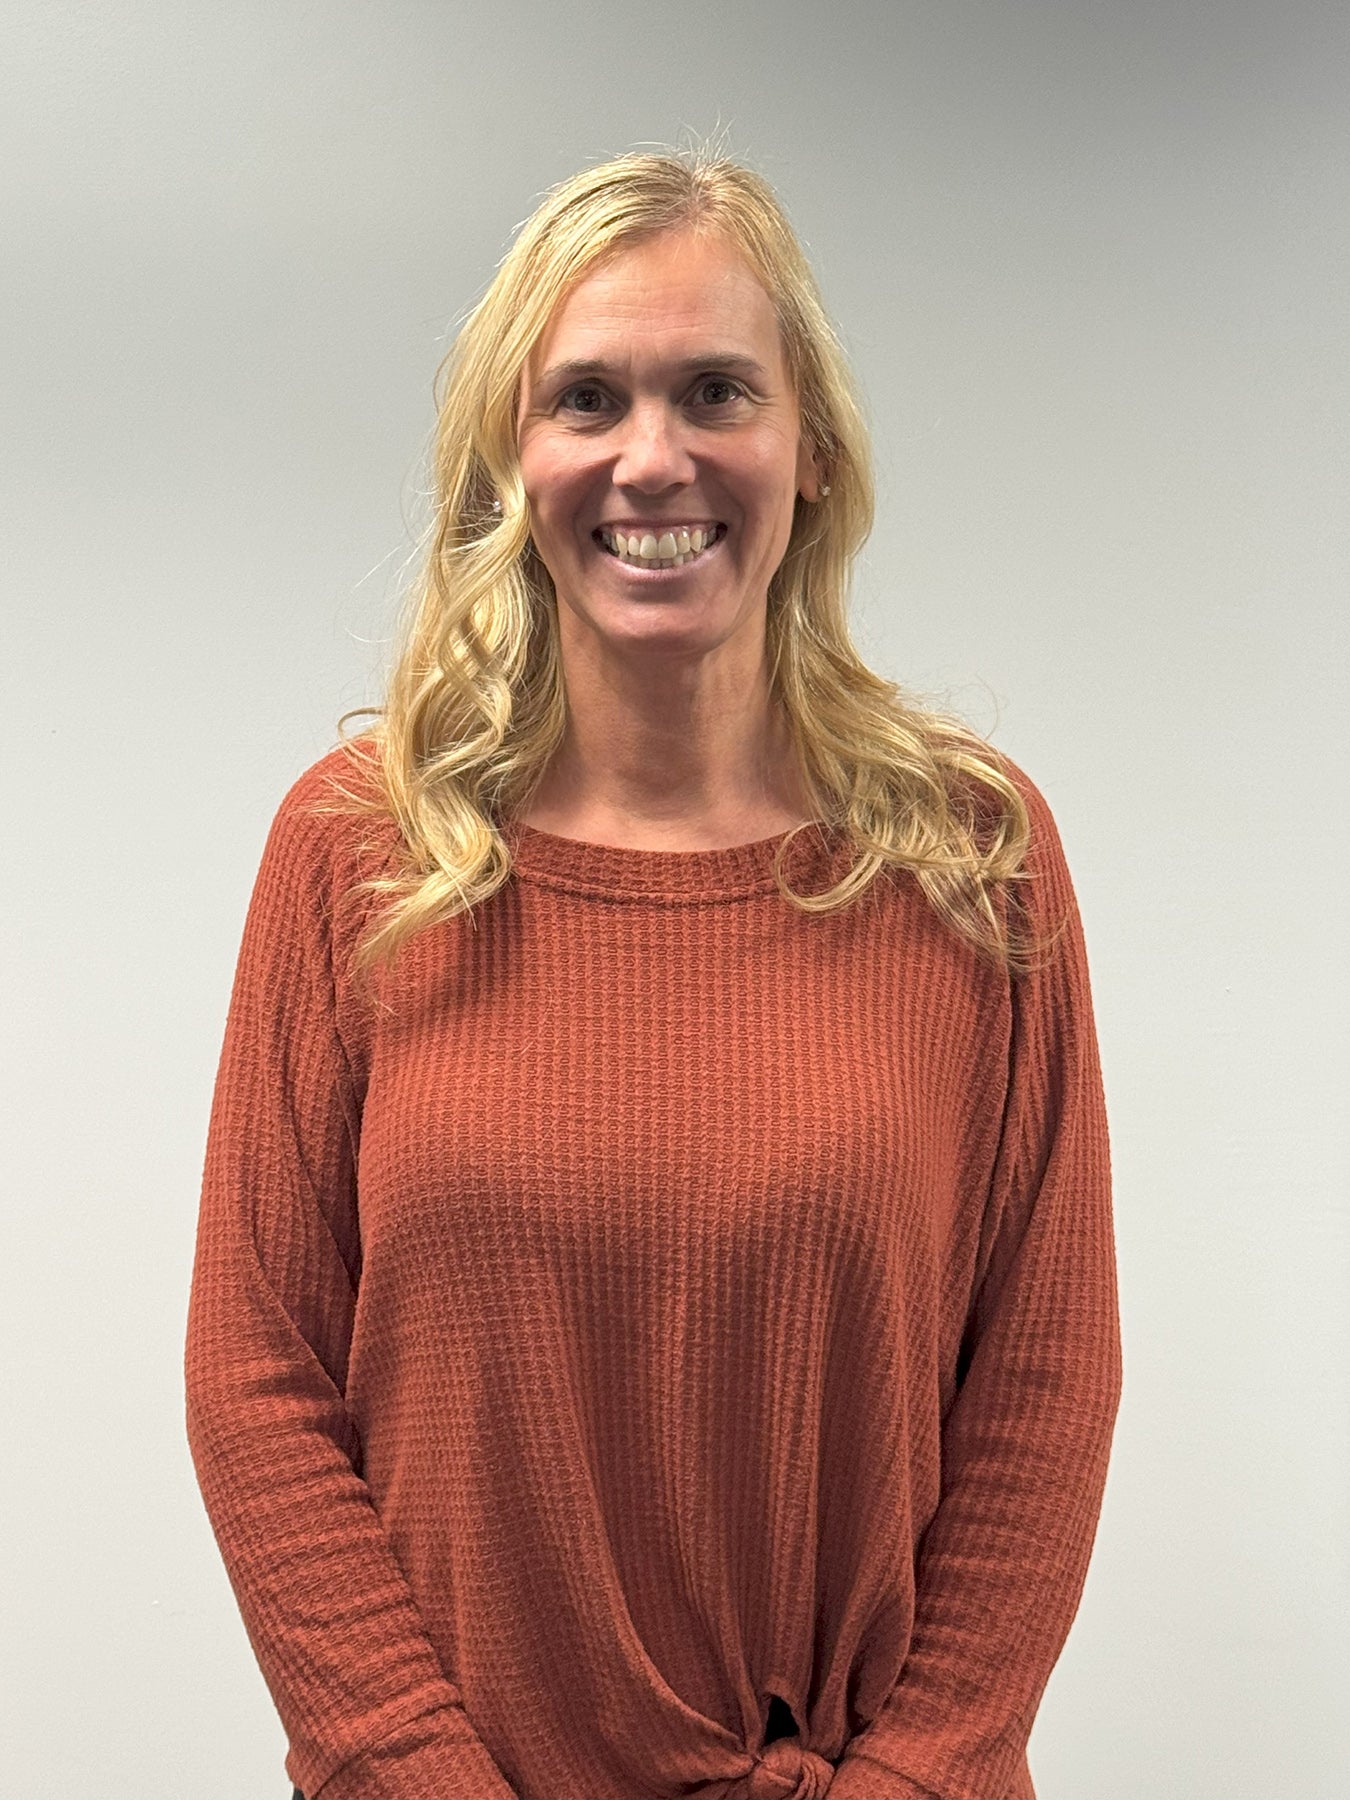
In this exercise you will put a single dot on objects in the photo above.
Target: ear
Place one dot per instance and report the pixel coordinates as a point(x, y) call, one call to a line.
point(808, 472)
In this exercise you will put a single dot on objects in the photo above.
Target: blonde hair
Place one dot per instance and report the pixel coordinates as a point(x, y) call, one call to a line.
point(475, 705)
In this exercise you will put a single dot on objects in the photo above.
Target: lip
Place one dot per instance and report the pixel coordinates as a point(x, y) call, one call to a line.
point(634, 573)
point(655, 526)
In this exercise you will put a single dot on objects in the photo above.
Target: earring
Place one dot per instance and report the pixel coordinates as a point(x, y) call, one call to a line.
point(496, 506)
point(824, 489)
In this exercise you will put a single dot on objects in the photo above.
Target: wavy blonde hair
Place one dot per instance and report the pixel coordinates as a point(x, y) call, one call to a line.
point(475, 705)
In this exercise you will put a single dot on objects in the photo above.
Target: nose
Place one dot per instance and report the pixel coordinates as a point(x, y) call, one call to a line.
point(653, 449)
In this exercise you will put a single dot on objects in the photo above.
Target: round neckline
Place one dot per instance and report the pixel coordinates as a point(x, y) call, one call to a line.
point(673, 876)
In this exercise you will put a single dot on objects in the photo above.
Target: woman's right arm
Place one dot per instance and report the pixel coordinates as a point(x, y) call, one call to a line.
point(361, 1693)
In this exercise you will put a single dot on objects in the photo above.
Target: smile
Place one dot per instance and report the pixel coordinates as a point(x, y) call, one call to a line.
point(671, 550)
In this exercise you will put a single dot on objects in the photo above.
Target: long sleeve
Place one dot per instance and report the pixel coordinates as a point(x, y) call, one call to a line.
point(1001, 1568)
point(366, 1705)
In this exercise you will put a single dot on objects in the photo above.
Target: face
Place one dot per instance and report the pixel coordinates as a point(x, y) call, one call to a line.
point(658, 403)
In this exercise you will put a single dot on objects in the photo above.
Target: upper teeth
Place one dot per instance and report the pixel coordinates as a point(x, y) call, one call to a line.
point(669, 547)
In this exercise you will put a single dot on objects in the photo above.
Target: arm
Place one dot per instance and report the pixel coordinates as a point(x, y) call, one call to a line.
point(357, 1683)
point(1001, 1567)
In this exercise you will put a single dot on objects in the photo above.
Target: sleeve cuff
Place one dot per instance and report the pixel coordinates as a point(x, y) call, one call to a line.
point(421, 1761)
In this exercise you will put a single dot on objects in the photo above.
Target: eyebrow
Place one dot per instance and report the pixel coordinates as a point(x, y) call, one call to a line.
point(728, 360)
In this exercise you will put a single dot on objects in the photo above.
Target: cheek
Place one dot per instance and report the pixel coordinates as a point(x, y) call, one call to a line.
point(556, 482)
point(774, 471)
point(776, 490)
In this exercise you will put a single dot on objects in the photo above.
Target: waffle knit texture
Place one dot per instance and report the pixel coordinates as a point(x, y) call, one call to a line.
point(668, 1345)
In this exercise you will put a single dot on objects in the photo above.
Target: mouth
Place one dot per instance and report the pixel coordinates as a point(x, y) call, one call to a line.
point(651, 552)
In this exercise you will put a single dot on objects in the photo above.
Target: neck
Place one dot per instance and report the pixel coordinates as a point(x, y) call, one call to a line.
point(715, 772)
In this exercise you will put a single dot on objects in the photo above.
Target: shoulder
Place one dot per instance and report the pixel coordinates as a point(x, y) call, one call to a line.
point(1015, 821)
point(336, 800)
point(331, 832)
point(350, 765)
point(1045, 848)
point(989, 801)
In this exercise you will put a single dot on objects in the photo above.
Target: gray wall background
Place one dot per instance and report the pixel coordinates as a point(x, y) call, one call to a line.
point(1091, 263)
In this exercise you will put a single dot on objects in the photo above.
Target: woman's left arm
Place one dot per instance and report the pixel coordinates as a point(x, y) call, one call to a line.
point(1001, 1568)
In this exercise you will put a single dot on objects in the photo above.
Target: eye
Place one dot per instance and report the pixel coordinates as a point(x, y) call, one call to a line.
point(732, 389)
point(581, 391)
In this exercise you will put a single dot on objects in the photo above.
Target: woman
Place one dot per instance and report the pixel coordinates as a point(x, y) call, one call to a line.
point(654, 1325)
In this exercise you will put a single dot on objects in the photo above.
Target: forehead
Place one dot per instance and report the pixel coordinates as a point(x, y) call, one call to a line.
point(669, 297)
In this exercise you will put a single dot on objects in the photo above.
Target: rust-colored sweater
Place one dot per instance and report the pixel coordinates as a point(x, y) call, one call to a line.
point(668, 1302)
